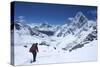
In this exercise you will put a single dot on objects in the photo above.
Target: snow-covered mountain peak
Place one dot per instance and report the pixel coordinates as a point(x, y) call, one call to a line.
point(80, 19)
point(45, 25)
point(79, 15)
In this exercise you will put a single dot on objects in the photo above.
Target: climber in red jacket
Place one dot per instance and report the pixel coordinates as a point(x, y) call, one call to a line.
point(34, 50)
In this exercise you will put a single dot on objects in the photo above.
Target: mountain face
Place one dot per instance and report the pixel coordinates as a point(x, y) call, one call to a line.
point(77, 23)
point(71, 36)
point(25, 29)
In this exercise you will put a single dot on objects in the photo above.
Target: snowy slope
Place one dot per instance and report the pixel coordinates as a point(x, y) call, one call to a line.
point(49, 55)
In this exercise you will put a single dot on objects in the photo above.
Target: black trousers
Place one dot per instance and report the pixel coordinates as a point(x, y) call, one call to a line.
point(34, 55)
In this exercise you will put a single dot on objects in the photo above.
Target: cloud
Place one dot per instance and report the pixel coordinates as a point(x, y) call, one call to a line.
point(21, 19)
point(70, 18)
point(93, 12)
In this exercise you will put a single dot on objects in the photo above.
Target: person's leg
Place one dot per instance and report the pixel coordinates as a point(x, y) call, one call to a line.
point(35, 53)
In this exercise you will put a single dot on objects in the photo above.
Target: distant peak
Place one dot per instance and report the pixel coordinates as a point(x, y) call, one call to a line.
point(80, 12)
point(80, 15)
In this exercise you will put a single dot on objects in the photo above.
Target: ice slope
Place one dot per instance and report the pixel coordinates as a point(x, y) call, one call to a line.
point(47, 54)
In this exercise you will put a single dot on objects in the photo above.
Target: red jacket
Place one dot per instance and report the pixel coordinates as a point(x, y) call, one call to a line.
point(34, 48)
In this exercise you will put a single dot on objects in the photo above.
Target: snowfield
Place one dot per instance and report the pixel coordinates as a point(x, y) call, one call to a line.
point(47, 54)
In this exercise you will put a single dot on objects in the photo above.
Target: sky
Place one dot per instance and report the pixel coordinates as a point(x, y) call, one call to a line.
point(51, 13)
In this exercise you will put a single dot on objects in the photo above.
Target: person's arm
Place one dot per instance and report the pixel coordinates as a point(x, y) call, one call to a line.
point(30, 50)
point(37, 49)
